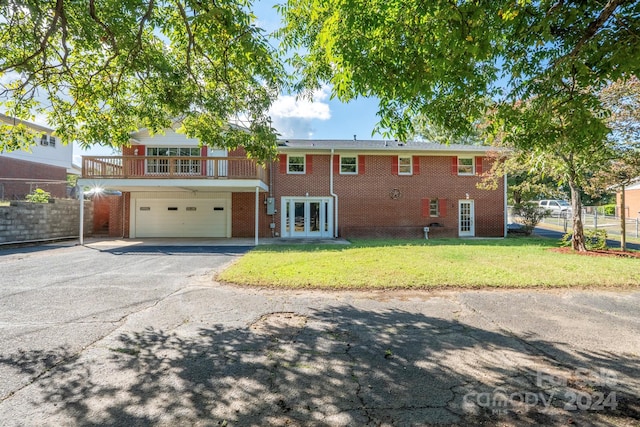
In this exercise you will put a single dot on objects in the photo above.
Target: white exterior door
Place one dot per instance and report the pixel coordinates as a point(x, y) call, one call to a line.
point(307, 217)
point(181, 218)
point(466, 218)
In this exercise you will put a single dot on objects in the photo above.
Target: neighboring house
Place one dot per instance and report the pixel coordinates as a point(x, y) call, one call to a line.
point(45, 165)
point(631, 199)
point(315, 189)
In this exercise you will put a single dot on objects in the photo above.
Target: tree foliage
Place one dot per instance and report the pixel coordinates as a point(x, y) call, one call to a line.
point(102, 69)
point(531, 69)
point(38, 196)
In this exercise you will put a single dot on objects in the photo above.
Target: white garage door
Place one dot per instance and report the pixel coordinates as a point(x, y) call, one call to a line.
point(181, 218)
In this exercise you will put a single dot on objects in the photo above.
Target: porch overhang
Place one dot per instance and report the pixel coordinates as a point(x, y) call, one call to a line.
point(163, 184)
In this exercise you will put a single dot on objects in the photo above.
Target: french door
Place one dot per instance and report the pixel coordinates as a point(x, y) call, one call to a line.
point(307, 217)
point(466, 220)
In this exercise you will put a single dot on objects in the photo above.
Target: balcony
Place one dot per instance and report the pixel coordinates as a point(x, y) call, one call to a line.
point(171, 167)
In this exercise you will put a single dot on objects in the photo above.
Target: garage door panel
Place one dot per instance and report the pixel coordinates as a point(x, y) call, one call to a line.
point(181, 218)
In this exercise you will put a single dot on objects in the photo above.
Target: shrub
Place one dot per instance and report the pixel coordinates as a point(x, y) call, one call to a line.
point(593, 239)
point(609, 210)
point(39, 196)
point(529, 215)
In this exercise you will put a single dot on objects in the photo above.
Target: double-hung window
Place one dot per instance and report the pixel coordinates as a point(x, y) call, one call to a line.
point(405, 165)
point(465, 166)
point(295, 164)
point(348, 165)
point(434, 210)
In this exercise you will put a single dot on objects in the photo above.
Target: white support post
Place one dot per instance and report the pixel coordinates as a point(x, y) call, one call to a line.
point(257, 214)
point(81, 217)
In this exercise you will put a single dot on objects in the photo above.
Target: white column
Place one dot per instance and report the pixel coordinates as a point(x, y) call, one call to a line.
point(81, 217)
point(257, 214)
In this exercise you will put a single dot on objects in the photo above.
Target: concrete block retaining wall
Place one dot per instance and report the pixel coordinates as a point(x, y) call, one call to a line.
point(27, 221)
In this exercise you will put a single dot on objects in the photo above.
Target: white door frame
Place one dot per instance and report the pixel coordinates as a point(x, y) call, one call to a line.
point(466, 226)
point(325, 217)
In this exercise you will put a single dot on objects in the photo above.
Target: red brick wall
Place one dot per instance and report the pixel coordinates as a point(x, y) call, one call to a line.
point(101, 212)
point(243, 207)
point(366, 206)
point(21, 169)
point(116, 204)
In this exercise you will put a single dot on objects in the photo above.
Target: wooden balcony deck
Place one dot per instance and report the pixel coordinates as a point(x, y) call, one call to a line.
point(171, 167)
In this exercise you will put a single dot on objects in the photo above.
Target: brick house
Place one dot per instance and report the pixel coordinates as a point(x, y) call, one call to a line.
point(171, 187)
point(45, 165)
point(631, 199)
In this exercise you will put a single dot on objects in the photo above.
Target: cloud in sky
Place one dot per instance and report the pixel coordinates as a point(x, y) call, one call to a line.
point(293, 116)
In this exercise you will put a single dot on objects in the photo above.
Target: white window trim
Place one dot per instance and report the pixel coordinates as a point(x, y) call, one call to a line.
point(304, 164)
point(437, 202)
point(410, 165)
point(473, 167)
point(349, 173)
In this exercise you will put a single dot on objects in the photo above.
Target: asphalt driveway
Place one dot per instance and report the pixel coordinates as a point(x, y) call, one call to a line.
point(145, 336)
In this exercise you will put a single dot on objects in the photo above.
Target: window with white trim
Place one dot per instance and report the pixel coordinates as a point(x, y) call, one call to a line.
point(434, 210)
point(348, 165)
point(179, 166)
point(295, 164)
point(465, 166)
point(405, 165)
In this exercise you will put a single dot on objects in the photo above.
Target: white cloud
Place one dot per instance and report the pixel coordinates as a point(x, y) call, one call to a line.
point(293, 127)
point(293, 117)
point(287, 106)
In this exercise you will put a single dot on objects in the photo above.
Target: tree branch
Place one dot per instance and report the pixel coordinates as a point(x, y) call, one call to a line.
point(595, 25)
point(94, 16)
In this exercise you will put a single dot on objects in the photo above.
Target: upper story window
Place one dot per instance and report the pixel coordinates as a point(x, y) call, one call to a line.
point(348, 165)
point(295, 164)
point(465, 166)
point(173, 151)
point(179, 166)
point(405, 165)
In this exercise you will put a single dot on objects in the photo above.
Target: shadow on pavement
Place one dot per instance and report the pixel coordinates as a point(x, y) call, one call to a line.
point(342, 366)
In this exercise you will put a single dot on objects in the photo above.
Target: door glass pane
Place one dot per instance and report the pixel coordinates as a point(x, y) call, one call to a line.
point(326, 217)
point(465, 217)
point(314, 216)
point(287, 220)
point(299, 220)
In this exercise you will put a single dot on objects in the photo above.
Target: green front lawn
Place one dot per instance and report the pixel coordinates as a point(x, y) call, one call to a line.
point(437, 263)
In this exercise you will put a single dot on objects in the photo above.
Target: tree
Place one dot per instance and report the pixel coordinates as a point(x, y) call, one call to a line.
point(457, 63)
point(100, 70)
point(622, 99)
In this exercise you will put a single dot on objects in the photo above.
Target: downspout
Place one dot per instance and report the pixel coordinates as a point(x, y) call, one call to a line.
point(335, 197)
point(272, 167)
point(506, 208)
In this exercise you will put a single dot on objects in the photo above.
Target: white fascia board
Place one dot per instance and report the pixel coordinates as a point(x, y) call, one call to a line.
point(236, 185)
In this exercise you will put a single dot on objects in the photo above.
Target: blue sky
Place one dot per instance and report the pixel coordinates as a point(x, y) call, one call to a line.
point(320, 118)
point(323, 118)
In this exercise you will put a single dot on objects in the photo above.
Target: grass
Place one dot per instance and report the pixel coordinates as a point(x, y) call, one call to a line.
point(436, 263)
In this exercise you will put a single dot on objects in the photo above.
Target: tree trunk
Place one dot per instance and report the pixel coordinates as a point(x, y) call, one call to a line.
point(577, 241)
point(623, 222)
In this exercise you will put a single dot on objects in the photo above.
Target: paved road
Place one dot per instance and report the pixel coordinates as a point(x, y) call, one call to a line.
point(145, 336)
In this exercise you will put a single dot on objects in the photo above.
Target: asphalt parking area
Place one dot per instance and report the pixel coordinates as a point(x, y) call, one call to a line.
point(145, 336)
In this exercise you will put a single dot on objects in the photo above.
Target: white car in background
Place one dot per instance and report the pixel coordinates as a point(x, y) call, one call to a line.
point(556, 207)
